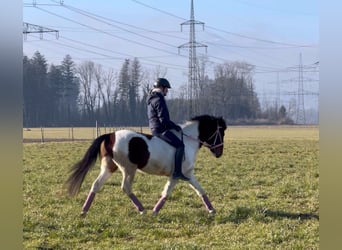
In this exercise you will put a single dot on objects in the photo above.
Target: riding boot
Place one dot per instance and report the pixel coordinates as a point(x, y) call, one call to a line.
point(177, 174)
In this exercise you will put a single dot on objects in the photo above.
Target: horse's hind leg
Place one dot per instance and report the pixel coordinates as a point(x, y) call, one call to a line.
point(108, 167)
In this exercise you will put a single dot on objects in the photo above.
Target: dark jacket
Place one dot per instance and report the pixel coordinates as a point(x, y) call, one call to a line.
point(158, 113)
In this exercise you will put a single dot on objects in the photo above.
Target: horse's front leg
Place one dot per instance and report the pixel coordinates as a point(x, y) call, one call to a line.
point(127, 182)
point(201, 193)
point(168, 188)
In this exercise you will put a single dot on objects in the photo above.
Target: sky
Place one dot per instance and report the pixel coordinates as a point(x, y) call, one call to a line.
point(274, 36)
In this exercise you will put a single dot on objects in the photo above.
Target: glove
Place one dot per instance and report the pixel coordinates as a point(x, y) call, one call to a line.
point(178, 128)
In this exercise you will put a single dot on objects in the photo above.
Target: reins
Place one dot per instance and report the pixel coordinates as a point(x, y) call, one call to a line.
point(210, 146)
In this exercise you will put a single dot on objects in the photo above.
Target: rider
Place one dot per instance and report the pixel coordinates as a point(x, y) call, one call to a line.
point(161, 125)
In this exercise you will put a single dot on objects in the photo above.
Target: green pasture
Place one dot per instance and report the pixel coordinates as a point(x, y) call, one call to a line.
point(264, 189)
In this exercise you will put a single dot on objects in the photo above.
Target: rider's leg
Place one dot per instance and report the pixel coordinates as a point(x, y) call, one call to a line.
point(177, 173)
point(173, 140)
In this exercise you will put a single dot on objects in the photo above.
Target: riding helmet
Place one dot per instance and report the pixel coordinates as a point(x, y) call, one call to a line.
point(162, 82)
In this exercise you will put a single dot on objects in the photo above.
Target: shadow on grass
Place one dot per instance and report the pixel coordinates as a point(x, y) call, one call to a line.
point(241, 214)
point(293, 216)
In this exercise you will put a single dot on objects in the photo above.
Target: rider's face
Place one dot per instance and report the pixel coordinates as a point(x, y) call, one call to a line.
point(165, 90)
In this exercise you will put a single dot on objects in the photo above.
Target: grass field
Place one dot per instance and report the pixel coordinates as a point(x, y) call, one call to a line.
point(264, 189)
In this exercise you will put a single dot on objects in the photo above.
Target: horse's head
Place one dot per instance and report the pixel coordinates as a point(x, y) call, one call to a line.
point(211, 133)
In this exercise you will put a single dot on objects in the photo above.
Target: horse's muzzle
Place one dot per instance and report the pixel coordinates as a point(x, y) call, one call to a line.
point(217, 152)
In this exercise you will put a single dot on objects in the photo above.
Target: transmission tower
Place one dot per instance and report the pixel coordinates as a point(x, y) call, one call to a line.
point(193, 81)
point(277, 92)
point(32, 28)
point(300, 101)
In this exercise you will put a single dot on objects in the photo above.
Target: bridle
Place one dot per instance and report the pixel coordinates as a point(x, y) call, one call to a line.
point(217, 136)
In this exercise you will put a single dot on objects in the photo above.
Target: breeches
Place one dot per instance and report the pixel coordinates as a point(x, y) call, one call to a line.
point(171, 139)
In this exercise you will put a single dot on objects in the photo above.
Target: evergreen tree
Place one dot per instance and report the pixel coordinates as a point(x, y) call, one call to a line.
point(71, 89)
point(28, 93)
point(124, 79)
point(55, 83)
point(35, 90)
point(135, 76)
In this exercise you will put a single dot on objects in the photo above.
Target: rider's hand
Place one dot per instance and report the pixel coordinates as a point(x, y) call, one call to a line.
point(178, 128)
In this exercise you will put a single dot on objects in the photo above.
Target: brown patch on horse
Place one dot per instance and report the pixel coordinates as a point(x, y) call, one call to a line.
point(107, 145)
point(106, 151)
point(138, 152)
point(108, 161)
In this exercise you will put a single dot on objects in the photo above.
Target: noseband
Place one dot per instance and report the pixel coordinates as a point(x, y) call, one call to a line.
point(217, 136)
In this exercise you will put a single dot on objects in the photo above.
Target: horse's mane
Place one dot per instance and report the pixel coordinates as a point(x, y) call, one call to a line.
point(208, 118)
point(201, 117)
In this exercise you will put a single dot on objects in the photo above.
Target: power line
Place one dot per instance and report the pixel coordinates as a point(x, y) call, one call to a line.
point(261, 48)
point(92, 15)
point(254, 38)
point(159, 10)
point(99, 17)
point(259, 69)
point(174, 66)
point(106, 56)
point(96, 17)
point(84, 50)
point(267, 41)
point(107, 33)
point(217, 29)
point(274, 9)
point(168, 13)
point(80, 42)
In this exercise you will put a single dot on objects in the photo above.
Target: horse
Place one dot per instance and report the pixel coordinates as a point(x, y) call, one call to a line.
point(130, 152)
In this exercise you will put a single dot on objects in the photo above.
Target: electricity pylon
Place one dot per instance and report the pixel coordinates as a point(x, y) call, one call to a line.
point(193, 81)
point(32, 28)
point(300, 95)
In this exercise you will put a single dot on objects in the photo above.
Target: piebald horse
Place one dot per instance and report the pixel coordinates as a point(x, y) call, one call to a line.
point(131, 151)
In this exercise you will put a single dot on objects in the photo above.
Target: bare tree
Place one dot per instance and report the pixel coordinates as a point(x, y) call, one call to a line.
point(111, 91)
point(159, 72)
point(98, 75)
point(234, 91)
point(88, 91)
point(199, 90)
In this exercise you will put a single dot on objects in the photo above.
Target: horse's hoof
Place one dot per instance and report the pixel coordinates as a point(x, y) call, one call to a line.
point(213, 211)
point(83, 214)
point(142, 212)
point(155, 213)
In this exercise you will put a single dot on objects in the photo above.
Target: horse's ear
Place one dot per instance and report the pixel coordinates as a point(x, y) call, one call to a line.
point(223, 122)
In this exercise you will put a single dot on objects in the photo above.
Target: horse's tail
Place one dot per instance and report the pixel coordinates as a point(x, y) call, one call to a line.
point(81, 168)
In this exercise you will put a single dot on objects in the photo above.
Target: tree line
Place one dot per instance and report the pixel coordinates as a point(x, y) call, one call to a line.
point(78, 95)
